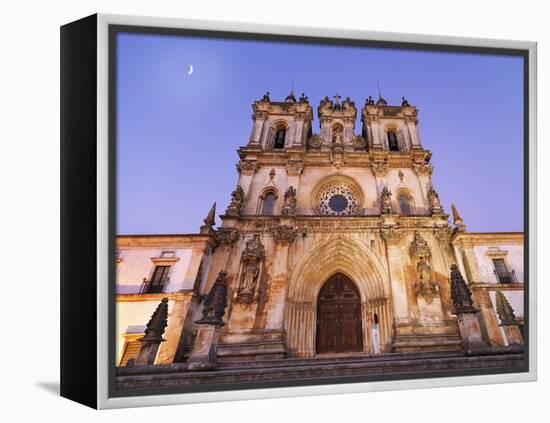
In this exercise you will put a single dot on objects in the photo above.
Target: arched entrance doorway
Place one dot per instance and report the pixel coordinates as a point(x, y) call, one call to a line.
point(339, 327)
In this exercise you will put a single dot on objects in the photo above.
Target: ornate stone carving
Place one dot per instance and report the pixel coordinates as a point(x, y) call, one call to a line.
point(248, 289)
point(227, 236)
point(433, 199)
point(425, 286)
point(289, 202)
point(337, 152)
point(390, 234)
point(443, 235)
point(215, 302)
point(266, 97)
point(419, 247)
point(404, 102)
point(237, 200)
point(505, 310)
point(359, 142)
point(460, 293)
point(248, 167)
point(379, 168)
point(385, 201)
point(422, 168)
point(284, 233)
point(315, 142)
point(294, 167)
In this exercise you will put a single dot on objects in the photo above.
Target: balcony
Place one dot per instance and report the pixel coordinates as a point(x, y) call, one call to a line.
point(504, 276)
point(152, 287)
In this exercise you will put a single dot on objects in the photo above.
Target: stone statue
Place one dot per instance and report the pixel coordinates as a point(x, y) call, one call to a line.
point(249, 277)
point(215, 302)
point(252, 257)
point(404, 102)
point(304, 98)
point(370, 101)
point(266, 96)
point(385, 201)
point(289, 202)
point(424, 271)
point(237, 199)
point(433, 199)
point(337, 138)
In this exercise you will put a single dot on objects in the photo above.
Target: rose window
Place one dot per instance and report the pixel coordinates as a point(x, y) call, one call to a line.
point(338, 199)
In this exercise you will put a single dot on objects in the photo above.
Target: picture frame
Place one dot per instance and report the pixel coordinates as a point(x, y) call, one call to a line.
point(89, 242)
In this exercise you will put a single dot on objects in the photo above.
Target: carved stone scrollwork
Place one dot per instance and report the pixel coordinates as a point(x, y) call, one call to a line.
point(390, 234)
point(379, 168)
point(227, 236)
point(248, 167)
point(419, 247)
point(284, 233)
point(315, 142)
point(252, 259)
point(422, 168)
point(443, 235)
point(294, 167)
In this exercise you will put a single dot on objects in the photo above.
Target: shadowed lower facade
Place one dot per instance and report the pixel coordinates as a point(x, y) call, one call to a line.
point(335, 245)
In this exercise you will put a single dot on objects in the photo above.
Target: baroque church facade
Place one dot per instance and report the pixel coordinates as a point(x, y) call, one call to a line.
point(329, 235)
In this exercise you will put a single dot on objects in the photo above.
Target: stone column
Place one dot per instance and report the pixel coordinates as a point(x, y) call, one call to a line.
point(508, 320)
point(150, 343)
point(204, 356)
point(397, 277)
point(468, 324)
point(284, 236)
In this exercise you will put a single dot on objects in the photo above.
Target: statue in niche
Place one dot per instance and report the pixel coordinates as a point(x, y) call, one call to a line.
point(424, 271)
point(385, 201)
point(249, 278)
point(251, 265)
point(289, 202)
point(337, 138)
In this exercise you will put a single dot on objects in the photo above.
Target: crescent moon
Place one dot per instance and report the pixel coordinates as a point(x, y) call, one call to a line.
point(190, 70)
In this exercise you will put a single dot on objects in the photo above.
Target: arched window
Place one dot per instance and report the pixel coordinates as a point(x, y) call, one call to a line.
point(279, 142)
point(392, 141)
point(405, 205)
point(268, 204)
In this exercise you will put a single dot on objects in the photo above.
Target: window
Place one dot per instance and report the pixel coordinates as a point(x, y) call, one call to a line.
point(279, 142)
point(157, 282)
point(502, 273)
point(404, 205)
point(268, 204)
point(131, 351)
point(392, 141)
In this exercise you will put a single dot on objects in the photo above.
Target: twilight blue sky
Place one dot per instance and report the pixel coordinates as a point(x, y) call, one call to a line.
point(177, 134)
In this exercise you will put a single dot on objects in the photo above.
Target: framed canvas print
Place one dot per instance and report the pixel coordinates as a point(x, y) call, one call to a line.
point(255, 211)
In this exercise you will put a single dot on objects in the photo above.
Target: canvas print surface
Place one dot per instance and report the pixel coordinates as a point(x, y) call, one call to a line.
point(292, 212)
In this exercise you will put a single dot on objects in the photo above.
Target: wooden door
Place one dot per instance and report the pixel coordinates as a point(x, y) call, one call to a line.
point(339, 327)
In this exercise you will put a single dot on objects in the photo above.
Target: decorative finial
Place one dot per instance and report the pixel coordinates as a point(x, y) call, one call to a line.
point(505, 310)
point(209, 221)
point(457, 220)
point(157, 324)
point(381, 101)
point(460, 293)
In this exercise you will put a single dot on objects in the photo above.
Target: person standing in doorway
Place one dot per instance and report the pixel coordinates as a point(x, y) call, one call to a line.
point(374, 334)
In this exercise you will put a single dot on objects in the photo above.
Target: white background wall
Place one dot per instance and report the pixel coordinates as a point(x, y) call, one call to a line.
point(29, 172)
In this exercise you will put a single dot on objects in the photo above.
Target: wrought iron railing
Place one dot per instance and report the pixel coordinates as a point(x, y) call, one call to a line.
point(504, 276)
point(152, 287)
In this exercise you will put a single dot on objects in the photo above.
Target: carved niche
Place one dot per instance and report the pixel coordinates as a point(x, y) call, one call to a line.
point(421, 255)
point(248, 290)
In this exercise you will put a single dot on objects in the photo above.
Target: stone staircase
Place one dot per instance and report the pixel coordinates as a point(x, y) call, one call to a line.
point(319, 369)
